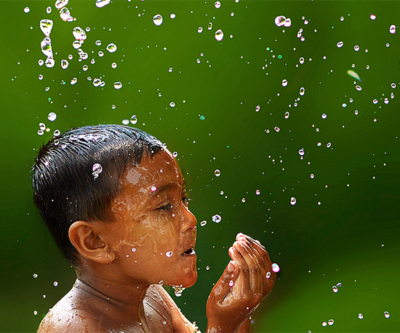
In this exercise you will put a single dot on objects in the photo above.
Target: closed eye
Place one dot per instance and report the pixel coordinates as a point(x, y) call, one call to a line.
point(166, 207)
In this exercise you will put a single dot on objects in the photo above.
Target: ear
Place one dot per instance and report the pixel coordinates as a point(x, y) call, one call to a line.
point(88, 241)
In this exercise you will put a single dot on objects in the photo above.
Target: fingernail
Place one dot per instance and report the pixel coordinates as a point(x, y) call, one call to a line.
point(231, 266)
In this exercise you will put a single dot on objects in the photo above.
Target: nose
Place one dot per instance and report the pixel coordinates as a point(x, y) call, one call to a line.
point(189, 220)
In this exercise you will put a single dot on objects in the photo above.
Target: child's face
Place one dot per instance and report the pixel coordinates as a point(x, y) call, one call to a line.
point(154, 230)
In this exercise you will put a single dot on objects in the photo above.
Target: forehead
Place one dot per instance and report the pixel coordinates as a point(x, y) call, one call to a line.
point(160, 170)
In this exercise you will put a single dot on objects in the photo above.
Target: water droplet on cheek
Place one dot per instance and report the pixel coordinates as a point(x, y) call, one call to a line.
point(169, 254)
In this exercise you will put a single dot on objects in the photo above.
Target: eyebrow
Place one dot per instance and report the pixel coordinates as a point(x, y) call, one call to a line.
point(167, 187)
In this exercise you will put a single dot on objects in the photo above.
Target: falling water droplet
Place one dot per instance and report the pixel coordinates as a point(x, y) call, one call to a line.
point(219, 35)
point(275, 268)
point(301, 61)
point(335, 289)
point(52, 116)
point(102, 3)
point(392, 29)
point(157, 19)
point(199, 30)
point(340, 44)
point(111, 47)
point(280, 20)
point(61, 3)
point(217, 173)
point(64, 64)
point(258, 192)
point(387, 314)
point(302, 91)
point(117, 85)
point(330, 322)
point(203, 223)
point(178, 291)
point(216, 218)
point(354, 75)
point(27, 10)
point(360, 316)
point(292, 201)
point(79, 34)
point(284, 83)
point(46, 26)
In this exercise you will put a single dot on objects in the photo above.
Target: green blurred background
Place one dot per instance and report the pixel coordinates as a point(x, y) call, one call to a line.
point(344, 227)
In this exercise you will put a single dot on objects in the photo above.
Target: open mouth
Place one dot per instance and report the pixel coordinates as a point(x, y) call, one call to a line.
point(189, 252)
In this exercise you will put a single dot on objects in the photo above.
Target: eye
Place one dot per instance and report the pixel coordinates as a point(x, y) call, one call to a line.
point(166, 207)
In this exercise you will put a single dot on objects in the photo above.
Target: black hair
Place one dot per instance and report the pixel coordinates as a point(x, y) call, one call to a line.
point(76, 176)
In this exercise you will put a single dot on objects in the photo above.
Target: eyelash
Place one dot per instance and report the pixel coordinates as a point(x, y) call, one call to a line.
point(168, 206)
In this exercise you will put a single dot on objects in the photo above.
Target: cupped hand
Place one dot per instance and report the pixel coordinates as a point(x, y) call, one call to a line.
point(246, 281)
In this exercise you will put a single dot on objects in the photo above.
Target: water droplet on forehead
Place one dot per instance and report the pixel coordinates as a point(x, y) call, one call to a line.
point(216, 218)
point(102, 3)
point(219, 35)
point(157, 19)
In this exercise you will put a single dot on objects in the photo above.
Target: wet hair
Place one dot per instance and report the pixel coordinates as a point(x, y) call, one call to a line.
point(76, 176)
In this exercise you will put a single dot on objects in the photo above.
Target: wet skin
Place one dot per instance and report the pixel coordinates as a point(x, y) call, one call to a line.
point(151, 242)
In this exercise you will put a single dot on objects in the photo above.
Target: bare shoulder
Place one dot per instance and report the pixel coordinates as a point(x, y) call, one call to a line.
point(64, 318)
point(180, 323)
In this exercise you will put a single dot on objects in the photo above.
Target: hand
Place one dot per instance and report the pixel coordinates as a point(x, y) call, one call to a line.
point(242, 286)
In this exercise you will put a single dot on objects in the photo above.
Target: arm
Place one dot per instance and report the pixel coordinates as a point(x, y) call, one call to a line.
point(241, 288)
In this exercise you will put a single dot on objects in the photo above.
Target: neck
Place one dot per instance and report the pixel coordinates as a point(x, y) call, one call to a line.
point(113, 298)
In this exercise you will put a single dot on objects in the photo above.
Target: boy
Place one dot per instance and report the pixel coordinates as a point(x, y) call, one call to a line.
point(114, 199)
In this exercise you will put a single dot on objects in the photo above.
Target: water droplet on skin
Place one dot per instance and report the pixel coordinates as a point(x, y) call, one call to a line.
point(102, 3)
point(217, 173)
point(157, 19)
point(203, 223)
point(340, 44)
point(52, 116)
point(216, 218)
point(360, 316)
point(153, 188)
point(284, 83)
point(268, 275)
point(219, 35)
point(117, 85)
point(61, 3)
point(330, 322)
point(169, 254)
point(335, 289)
point(97, 169)
point(292, 201)
point(275, 268)
point(302, 91)
point(217, 4)
point(231, 283)
point(111, 47)
point(387, 314)
point(392, 29)
point(178, 291)
point(133, 249)
point(134, 120)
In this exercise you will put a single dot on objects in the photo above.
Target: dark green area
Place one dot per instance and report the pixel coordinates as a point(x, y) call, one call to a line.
point(352, 237)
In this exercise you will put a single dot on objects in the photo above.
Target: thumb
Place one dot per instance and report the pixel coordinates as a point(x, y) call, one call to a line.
point(226, 282)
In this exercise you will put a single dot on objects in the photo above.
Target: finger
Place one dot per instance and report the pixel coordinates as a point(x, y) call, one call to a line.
point(240, 235)
point(224, 284)
point(254, 272)
point(242, 285)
